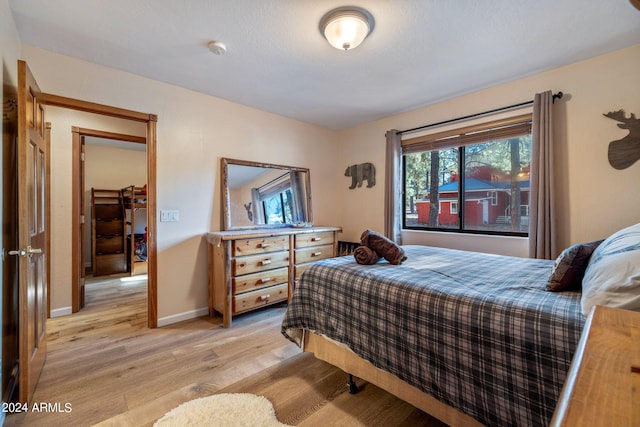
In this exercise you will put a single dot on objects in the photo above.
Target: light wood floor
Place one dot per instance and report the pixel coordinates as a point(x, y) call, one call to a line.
point(106, 366)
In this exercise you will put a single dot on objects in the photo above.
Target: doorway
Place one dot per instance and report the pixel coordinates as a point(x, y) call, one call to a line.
point(111, 164)
point(76, 220)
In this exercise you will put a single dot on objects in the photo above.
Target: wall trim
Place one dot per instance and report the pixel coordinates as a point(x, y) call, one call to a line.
point(59, 312)
point(187, 315)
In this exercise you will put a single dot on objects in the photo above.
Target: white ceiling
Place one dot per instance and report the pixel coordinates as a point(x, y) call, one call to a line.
point(420, 52)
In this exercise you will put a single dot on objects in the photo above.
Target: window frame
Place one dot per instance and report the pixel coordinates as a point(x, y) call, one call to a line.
point(459, 138)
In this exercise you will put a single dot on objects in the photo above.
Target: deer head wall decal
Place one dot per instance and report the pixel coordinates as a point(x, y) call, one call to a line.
point(626, 151)
point(247, 206)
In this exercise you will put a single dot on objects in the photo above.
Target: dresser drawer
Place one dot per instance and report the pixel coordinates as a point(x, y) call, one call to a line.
point(313, 239)
point(251, 282)
point(260, 262)
point(109, 245)
point(109, 264)
point(313, 253)
point(260, 245)
point(261, 297)
point(109, 227)
point(107, 212)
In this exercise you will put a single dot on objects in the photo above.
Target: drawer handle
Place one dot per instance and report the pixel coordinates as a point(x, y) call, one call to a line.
point(316, 254)
point(265, 297)
point(265, 262)
point(264, 245)
point(265, 280)
point(316, 239)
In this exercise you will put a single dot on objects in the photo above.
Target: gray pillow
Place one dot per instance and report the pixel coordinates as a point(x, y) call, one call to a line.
point(613, 275)
point(570, 266)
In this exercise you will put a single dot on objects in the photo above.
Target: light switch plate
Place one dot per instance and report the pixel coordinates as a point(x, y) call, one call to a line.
point(169, 216)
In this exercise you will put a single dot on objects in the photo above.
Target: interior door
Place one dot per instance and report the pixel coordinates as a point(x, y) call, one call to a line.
point(32, 231)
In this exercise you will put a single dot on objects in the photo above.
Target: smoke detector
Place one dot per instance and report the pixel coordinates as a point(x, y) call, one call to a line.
point(217, 48)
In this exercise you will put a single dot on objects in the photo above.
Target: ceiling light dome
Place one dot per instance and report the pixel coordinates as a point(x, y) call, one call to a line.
point(346, 27)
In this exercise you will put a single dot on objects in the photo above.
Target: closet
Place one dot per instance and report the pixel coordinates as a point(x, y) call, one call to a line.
point(135, 206)
point(107, 236)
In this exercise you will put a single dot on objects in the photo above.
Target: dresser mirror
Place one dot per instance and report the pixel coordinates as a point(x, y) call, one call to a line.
point(260, 195)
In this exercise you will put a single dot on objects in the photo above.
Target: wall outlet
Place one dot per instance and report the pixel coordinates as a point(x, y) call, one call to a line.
point(169, 216)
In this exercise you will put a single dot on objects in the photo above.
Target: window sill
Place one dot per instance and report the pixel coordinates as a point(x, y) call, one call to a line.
point(499, 245)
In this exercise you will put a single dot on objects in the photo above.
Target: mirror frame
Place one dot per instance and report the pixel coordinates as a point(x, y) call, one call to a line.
point(225, 202)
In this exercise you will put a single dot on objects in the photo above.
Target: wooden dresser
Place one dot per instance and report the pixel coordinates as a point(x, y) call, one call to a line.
point(603, 384)
point(253, 268)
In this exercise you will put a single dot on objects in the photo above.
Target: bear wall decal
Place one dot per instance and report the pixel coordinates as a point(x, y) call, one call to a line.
point(360, 173)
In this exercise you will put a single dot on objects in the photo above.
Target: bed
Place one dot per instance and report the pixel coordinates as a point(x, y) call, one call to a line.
point(135, 203)
point(471, 338)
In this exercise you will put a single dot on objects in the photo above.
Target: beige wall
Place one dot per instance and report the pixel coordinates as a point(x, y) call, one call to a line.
point(194, 131)
point(594, 200)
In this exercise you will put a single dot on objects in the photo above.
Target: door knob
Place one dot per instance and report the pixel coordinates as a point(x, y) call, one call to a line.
point(20, 252)
point(24, 252)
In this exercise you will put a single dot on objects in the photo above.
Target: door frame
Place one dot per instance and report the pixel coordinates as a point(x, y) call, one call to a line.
point(151, 121)
point(77, 175)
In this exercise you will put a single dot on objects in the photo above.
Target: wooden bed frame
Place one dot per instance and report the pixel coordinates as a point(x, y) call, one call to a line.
point(348, 361)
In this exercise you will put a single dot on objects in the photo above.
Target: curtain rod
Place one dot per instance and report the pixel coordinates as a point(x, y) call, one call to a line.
point(557, 95)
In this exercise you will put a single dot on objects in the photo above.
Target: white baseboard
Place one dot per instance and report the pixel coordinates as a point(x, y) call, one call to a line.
point(175, 318)
point(59, 312)
point(164, 321)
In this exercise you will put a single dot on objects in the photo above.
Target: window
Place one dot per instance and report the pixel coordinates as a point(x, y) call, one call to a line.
point(477, 178)
point(277, 209)
point(275, 200)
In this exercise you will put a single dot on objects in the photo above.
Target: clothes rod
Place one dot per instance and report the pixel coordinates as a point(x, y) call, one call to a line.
point(557, 95)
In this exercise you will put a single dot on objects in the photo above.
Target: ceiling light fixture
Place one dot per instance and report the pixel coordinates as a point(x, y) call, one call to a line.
point(346, 27)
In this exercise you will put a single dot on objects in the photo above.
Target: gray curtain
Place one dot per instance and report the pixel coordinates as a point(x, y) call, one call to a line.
point(542, 215)
point(393, 188)
point(299, 194)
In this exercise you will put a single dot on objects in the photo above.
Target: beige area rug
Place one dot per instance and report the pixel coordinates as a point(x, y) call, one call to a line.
point(225, 410)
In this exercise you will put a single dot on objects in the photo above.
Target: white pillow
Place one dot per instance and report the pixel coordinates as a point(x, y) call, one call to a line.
point(612, 277)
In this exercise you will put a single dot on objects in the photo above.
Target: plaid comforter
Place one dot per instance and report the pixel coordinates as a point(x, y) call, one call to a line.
point(476, 331)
